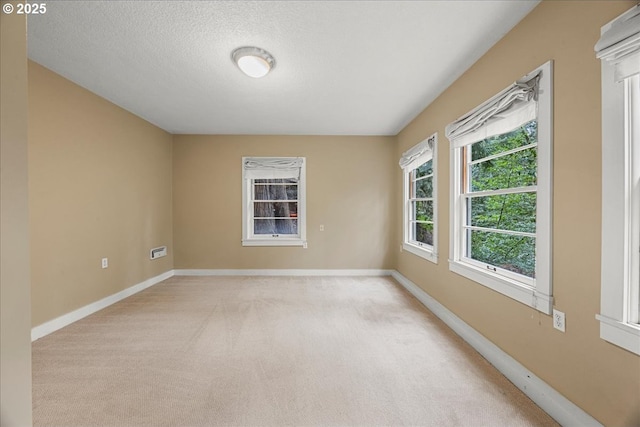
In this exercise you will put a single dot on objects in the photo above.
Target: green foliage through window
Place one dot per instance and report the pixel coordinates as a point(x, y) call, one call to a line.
point(421, 203)
point(506, 162)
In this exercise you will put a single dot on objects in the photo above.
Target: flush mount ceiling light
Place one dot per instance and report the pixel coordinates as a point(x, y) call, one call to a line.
point(253, 61)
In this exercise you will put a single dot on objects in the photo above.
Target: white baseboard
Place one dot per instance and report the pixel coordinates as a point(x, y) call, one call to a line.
point(66, 319)
point(285, 272)
point(553, 403)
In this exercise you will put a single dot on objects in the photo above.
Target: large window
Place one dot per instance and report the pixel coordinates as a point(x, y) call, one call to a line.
point(619, 50)
point(420, 209)
point(273, 194)
point(501, 191)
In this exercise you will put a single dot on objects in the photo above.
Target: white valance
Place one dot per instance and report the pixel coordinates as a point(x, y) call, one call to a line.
point(513, 107)
point(620, 44)
point(418, 154)
point(272, 167)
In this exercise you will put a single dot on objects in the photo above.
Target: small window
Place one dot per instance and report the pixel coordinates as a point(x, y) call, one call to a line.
point(274, 201)
point(420, 206)
point(501, 181)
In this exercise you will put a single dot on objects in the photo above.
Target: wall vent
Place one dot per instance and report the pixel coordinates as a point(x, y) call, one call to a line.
point(158, 252)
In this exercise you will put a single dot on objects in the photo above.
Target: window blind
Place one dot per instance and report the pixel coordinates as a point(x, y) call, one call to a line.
point(272, 167)
point(513, 107)
point(620, 44)
point(417, 155)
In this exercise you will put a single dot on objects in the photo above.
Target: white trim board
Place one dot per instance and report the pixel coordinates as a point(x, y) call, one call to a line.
point(67, 319)
point(556, 405)
point(285, 272)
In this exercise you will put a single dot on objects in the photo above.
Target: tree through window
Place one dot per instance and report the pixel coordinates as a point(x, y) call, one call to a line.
point(501, 198)
point(273, 207)
point(420, 201)
point(501, 191)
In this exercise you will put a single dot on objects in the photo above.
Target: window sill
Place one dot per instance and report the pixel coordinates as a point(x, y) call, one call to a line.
point(425, 253)
point(622, 334)
point(508, 287)
point(275, 242)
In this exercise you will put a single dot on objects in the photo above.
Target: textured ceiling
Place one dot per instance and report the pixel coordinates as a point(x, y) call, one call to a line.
point(343, 67)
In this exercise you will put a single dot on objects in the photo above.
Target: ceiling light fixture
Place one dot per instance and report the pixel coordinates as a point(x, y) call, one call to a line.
point(253, 61)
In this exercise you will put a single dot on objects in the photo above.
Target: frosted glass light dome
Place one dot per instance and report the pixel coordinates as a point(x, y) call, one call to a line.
point(253, 61)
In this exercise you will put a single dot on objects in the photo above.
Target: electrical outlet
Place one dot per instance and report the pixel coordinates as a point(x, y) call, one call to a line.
point(321, 227)
point(105, 262)
point(558, 320)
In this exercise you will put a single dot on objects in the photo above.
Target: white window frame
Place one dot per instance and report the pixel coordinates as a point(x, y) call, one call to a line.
point(537, 292)
point(423, 250)
point(248, 236)
point(620, 262)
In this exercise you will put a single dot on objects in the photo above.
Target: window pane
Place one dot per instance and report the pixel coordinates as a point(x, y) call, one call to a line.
point(275, 209)
point(512, 253)
point(422, 232)
point(524, 135)
point(275, 226)
point(513, 170)
point(291, 191)
point(422, 211)
point(514, 212)
point(424, 169)
point(275, 192)
point(424, 188)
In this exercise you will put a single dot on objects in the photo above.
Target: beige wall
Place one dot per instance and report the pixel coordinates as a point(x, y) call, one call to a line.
point(602, 379)
point(349, 191)
point(101, 183)
point(99, 186)
point(15, 308)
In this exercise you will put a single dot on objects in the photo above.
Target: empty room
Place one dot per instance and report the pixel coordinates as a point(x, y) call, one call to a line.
point(320, 213)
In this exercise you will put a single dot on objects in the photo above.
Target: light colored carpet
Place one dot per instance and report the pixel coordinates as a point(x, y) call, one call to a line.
point(270, 351)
